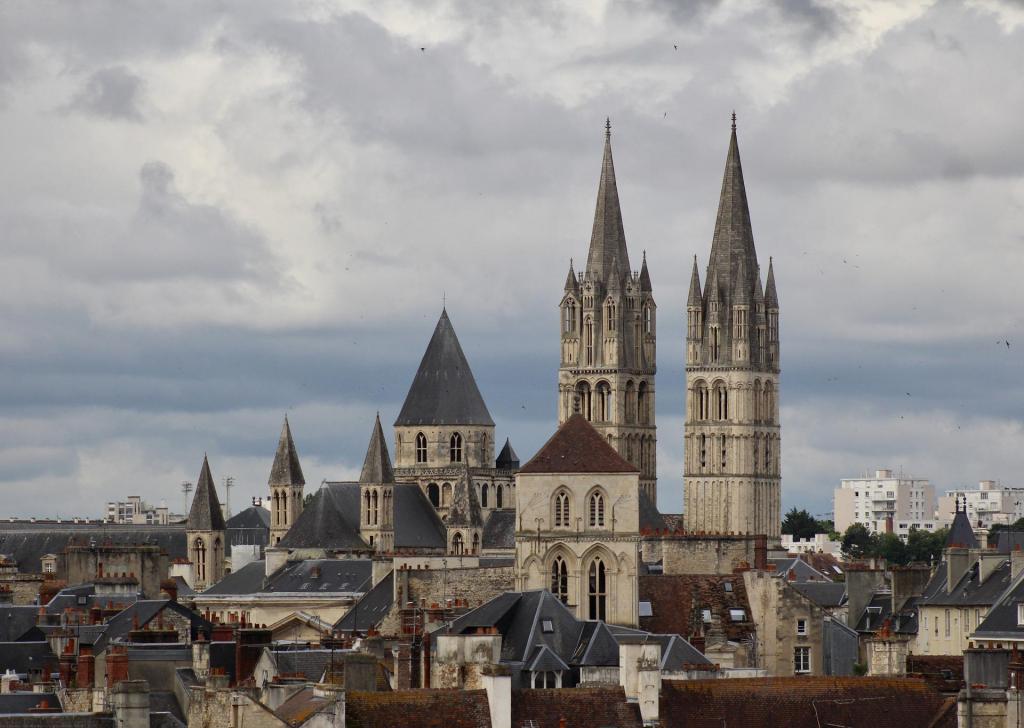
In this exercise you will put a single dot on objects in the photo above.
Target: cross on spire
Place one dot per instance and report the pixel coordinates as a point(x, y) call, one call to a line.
point(734, 120)
point(607, 128)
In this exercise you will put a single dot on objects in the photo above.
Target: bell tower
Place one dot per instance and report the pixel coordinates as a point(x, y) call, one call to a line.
point(732, 470)
point(608, 338)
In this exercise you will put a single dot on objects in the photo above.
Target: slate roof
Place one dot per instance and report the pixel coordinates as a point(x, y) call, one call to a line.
point(23, 702)
point(444, 392)
point(961, 533)
point(608, 258)
point(18, 624)
point(800, 569)
point(250, 526)
point(25, 656)
point(678, 601)
point(426, 708)
point(311, 664)
point(579, 708)
point(247, 580)
point(500, 530)
point(205, 513)
point(800, 702)
point(826, 594)
point(695, 297)
point(650, 518)
point(331, 520)
point(145, 610)
point(969, 591)
point(1001, 620)
point(321, 575)
point(465, 506)
point(286, 469)
point(371, 608)
point(905, 622)
point(377, 463)
point(301, 706)
point(507, 458)
point(28, 542)
point(576, 447)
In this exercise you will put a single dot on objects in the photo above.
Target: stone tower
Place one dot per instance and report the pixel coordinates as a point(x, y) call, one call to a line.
point(286, 484)
point(205, 532)
point(377, 494)
point(732, 446)
point(608, 339)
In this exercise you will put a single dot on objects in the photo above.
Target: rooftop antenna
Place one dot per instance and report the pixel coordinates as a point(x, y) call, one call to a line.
point(186, 488)
point(229, 483)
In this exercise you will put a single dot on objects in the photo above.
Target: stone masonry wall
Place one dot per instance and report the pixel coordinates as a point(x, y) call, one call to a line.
point(473, 586)
point(707, 554)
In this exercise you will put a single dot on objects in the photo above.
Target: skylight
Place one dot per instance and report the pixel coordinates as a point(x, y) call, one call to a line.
point(645, 609)
point(737, 615)
point(547, 626)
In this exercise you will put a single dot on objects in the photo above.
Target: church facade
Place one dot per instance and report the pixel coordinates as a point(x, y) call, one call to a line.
point(732, 458)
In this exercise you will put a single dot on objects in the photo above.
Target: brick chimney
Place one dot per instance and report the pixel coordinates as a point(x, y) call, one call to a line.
point(117, 665)
point(86, 667)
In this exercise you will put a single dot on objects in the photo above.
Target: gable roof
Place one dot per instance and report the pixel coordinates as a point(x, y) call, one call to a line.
point(18, 623)
point(247, 580)
point(286, 469)
point(321, 575)
point(575, 708)
point(826, 594)
point(205, 514)
point(330, 521)
point(371, 608)
point(423, 708)
point(678, 602)
point(576, 447)
point(28, 542)
point(1001, 620)
point(444, 392)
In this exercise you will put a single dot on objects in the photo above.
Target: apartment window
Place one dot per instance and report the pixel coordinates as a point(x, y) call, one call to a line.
point(1020, 614)
point(947, 622)
point(801, 626)
point(802, 660)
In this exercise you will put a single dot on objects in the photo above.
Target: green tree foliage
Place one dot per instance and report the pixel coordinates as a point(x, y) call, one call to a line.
point(800, 524)
point(926, 546)
point(859, 542)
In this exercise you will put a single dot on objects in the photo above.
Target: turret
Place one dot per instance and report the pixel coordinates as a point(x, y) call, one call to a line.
point(377, 494)
point(771, 304)
point(286, 485)
point(205, 532)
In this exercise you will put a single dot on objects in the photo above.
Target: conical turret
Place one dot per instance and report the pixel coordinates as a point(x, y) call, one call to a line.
point(645, 276)
point(771, 298)
point(377, 463)
point(205, 513)
point(572, 284)
point(286, 469)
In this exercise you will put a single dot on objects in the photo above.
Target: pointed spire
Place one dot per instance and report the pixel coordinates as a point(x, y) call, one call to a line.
point(733, 240)
point(758, 289)
point(714, 291)
point(607, 254)
point(645, 276)
point(771, 298)
point(205, 513)
point(444, 392)
point(572, 284)
point(741, 285)
point(694, 299)
point(286, 469)
point(377, 464)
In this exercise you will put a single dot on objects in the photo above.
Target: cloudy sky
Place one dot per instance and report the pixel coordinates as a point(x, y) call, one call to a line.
point(216, 213)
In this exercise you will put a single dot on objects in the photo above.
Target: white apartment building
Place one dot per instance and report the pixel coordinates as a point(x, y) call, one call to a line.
point(988, 504)
point(135, 510)
point(909, 502)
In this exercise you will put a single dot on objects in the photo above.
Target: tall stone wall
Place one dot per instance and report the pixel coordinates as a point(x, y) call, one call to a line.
point(710, 554)
point(434, 586)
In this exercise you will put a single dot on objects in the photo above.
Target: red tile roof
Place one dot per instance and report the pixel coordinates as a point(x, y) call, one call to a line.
point(576, 447)
point(418, 709)
point(677, 601)
point(945, 673)
point(579, 707)
point(800, 702)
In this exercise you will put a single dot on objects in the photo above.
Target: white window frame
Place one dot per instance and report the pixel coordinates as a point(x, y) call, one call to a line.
point(801, 627)
point(801, 660)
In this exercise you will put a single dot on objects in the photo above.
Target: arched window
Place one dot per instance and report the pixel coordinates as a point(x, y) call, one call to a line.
point(703, 400)
point(724, 449)
point(648, 320)
point(702, 444)
point(457, 544)
point(446, 495)
point(199, 558)
point(643, 404)
point(757, 452)
point(583, 392)
point(758, 404)
point(769, 402)
point(483, 496)
point(455, 448)
point(476, 543)
point(561, 510)
point(366, 506)
point(376, 508)
point(588, 341)
point(597, 590)
point(569, 325)
point(716, 344)
point(720, 397)
point(596, 510)
point(483, 449)
point(631, 402)
point(218, 555)
point(434, 495)
point(560, 579)
point(609, 315)
point(421, 448)
point(498, 497)
point(768, 456)
point(604, 402)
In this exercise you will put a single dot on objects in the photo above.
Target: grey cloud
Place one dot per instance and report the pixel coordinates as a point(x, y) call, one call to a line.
point(114, 93)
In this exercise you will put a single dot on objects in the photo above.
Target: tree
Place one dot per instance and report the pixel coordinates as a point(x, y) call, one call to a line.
point(800, 524)
point(926, 546)
point(890, 547)
point(859, 542)
point(307, 499)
